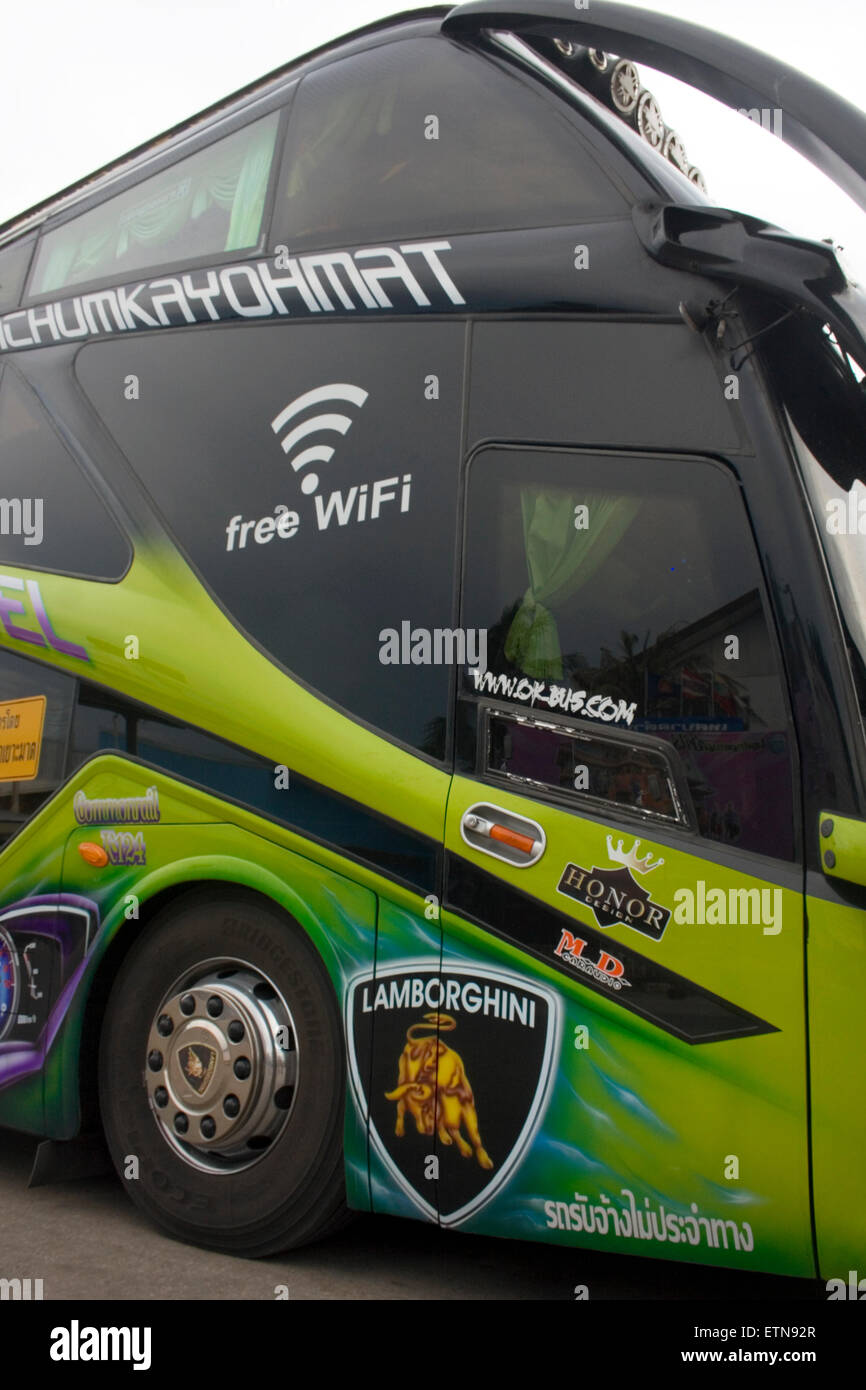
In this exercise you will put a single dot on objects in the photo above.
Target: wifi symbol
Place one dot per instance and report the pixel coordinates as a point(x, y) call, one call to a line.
point(316, 453)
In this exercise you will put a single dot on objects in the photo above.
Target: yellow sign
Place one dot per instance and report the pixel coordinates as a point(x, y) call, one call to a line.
point(21, 724)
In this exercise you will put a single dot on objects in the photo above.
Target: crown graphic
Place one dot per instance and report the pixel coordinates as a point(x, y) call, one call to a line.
point(631, 860)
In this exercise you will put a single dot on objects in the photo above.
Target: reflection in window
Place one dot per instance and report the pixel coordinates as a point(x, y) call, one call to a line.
point(417, 137)
point(824, 406)
point(200, 758)
point(211, 202)
point(611, 590)
point(50, 516)
point(98, 727)
point(571, 762)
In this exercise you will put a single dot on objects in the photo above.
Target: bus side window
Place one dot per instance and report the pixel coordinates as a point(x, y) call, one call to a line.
point(622, 598)
point(207, 204)
point(99, 726)
point(419, 137)
point(36, 707)
point(50, 516)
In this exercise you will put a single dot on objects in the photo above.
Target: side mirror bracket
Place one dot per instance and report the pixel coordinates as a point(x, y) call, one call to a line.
point(843, 847)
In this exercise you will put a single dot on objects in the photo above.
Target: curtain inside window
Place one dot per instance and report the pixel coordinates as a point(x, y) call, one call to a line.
point(231, 176)
point(559, 560)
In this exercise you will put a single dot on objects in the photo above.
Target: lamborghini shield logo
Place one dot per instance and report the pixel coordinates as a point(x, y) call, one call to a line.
point(197, 1062)
point(453, 1068)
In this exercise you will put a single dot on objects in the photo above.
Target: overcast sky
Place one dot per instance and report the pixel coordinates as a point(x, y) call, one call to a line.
point(84, 82)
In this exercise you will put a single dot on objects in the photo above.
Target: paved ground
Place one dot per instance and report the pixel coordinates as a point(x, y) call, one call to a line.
point(86, 1240)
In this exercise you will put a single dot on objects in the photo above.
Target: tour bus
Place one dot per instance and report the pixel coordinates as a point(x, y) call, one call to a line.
point(433, 604)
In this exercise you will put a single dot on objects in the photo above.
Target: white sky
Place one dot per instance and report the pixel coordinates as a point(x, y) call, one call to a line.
point(84, 82)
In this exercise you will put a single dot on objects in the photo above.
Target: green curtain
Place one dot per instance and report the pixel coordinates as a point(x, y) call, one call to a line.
point(232, 174)
point(70, 256)
point(156, 220)
point(251, 187)
point(559, 561)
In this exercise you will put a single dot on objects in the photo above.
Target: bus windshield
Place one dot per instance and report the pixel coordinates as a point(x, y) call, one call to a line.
point(843, 514)
point(824, 404)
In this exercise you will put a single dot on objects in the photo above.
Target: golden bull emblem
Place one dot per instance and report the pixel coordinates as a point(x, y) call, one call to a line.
point(198, 1062)
point(433, 1086)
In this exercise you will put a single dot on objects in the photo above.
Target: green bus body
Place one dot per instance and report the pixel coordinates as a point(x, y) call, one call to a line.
point(614, 890)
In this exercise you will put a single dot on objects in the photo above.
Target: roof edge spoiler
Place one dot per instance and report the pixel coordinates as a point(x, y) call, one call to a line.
point(825, 128)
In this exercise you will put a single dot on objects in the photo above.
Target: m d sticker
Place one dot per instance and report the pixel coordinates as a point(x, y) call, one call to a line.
point(455, 1074)
point(21, 724)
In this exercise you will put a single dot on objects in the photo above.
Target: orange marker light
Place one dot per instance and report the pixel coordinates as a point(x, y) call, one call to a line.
point(93, 854)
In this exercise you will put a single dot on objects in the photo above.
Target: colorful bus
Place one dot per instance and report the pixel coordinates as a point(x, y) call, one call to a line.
point(432, 641)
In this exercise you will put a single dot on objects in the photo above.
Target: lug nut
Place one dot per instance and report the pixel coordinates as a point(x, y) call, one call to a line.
point(242, 1068)
point(208, 1127)
point(231, 1106)
point(154, 1060)
point(187, 1004)
point(164, 1026)
point(160, 1096)
point(181, 1123)
point(214, 1006)
point(236, 1030)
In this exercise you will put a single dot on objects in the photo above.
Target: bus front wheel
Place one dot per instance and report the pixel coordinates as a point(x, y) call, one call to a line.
point(221, 1079)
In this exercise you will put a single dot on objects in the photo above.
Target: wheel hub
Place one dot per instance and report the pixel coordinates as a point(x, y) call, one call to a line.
point(221, 1066)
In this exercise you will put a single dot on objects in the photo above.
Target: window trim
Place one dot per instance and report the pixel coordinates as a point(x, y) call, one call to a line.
point(586, 730)
point(29, 243)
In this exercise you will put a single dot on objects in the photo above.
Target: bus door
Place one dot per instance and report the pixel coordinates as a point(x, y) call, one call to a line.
point(822, 416)
point(627, 778)
point(623, 918)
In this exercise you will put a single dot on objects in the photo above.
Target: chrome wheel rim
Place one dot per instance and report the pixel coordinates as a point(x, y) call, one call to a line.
point(221, 1065)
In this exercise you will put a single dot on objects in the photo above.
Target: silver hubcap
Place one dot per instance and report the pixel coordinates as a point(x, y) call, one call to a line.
point(221, 1066)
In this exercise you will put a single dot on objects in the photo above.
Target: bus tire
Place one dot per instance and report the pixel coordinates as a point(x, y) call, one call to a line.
point(222, 1078)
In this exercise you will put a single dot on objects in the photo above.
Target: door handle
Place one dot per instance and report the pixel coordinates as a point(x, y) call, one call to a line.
point(493, 830)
